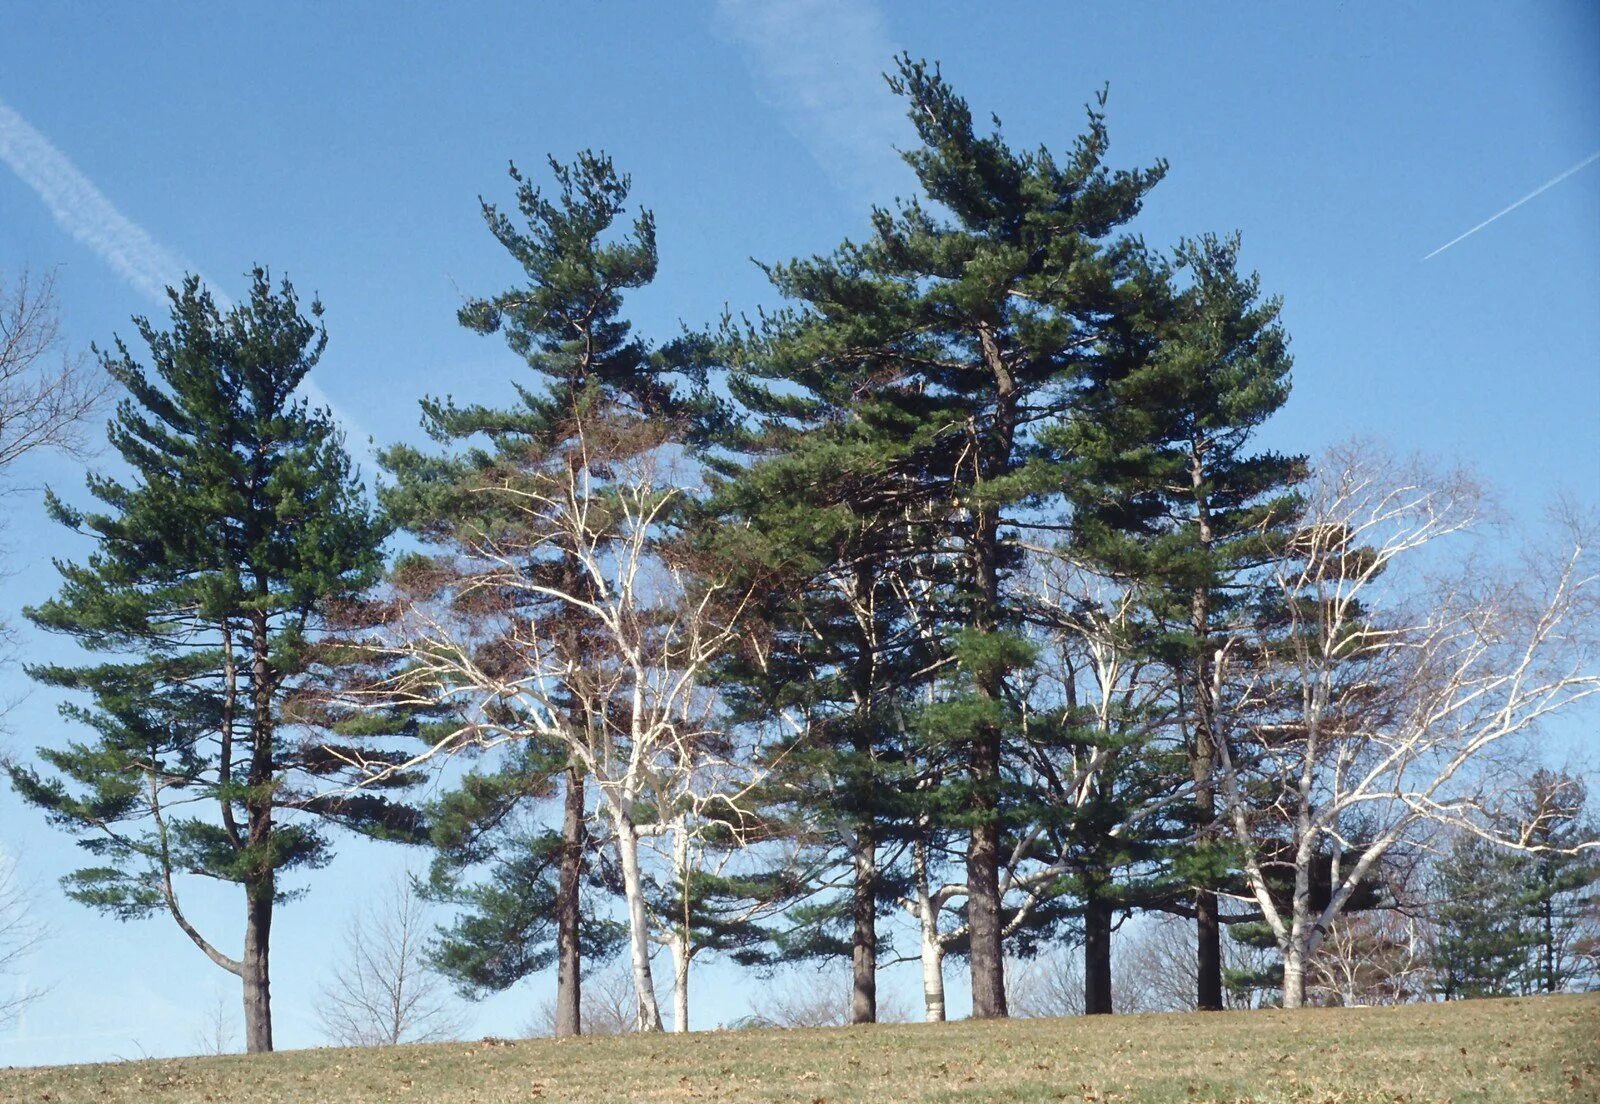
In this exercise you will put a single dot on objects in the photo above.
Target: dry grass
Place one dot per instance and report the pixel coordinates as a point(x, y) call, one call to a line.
point(1511, 1051)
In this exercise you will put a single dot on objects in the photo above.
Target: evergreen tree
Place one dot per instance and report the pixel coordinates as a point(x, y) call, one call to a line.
point(566, 322)
point(218, 562)
point(502, 866)
point(1562, 880)
point(1484, 937)
point(1169, 496)
point(955, 334)
point(808, 500)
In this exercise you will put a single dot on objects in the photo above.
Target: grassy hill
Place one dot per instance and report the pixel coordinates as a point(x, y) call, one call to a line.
point(1518, 1051)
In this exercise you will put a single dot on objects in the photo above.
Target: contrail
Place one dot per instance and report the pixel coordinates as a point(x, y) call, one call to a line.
point(820, 63)
point(83, 211)
point(1546, 186)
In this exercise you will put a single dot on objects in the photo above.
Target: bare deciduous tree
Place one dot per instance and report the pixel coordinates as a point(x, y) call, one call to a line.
point(20, 934)
point(382, 991)
point(608, 1007)
point(45, 392)
point(1376, 957)
point(614, 673)
point(217, 1033)
point(808, 999)
point(1047, 986)
point(1372, 705)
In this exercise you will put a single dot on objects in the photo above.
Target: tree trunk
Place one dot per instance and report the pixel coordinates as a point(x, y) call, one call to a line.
point(1294, 978)
point(262, 888)
point(932, 975)
point(569, 966)
point(682, 950)
point(649, 1013)
point(255, 972)
point(1208, 926)
point(1208, 929)
point(680, 982)
point(864, 942)
point(1096, 951)
point(986, 955)
point(983, 890)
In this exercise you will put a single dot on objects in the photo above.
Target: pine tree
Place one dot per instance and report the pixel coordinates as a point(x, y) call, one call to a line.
point(1561, 878)
point(1484, 938)
point(566, 322)
point(218, 562)
point(955, 333)
point(808, 500)
point(497, 861)
point(1169, 497)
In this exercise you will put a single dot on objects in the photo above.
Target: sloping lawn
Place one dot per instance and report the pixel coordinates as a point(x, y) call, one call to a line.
point(1515, 1051)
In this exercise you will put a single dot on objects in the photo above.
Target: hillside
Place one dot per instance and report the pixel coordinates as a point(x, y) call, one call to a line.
point(1513, 1051)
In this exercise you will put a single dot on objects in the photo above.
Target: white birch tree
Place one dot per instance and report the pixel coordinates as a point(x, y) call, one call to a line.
point(1375, 699)
point(614, 667)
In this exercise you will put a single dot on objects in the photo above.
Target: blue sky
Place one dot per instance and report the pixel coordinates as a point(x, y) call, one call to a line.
point(345, 145)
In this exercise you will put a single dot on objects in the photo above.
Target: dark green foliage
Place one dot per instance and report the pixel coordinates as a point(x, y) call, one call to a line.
point(1484, 938)
point(1169, 497)
point(934, 357)
point(217, 565)
point(1563, 880)
point(1517, 921)
point(501, 867)
point(590, 374)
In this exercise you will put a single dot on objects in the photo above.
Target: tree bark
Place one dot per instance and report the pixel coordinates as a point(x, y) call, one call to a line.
point(1096, 951)
point(649, 1013)
point(864, 942)
point(680, 982)
point(262, 888)
point(255, 969)
point(569, 966)
point(983, 887)
point(1208, 928)
point(986, 955)
point(932, 975)
point(1294, 978)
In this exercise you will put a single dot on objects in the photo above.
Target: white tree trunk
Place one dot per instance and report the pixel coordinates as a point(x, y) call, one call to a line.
point(649, 1013)
point(932, 970)
point(1294, 977)
point(680, 982)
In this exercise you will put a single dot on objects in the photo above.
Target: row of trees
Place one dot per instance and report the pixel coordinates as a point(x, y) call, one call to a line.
point(955, 590)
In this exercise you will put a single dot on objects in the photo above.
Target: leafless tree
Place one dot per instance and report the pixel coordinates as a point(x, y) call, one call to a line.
point(382, 991)
point(45, 393)
point(1156, 968)
point(609, 1007)
point(1376, 710)
point(1047, 986)
point(1375, 957)
point(615, 674)
point(217, 1034)
point(20, 935)
point(811, 999)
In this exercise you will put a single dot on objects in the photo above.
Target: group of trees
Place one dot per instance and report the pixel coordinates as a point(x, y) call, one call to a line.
point(957, 590)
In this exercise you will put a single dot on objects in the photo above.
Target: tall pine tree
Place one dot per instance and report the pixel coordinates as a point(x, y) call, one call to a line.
point(565, 321)
point(217, 562)
point(1169, 496)
point(967, 325)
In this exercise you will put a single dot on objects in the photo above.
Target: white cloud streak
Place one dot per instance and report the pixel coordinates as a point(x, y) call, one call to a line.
point(84, 212)
point(1546, 186)
point(820, 64)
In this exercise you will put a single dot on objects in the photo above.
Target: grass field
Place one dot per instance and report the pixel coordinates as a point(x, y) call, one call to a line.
point(1513, 1051)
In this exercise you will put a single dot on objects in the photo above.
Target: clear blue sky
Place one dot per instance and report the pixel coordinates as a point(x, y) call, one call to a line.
point(345, 144)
